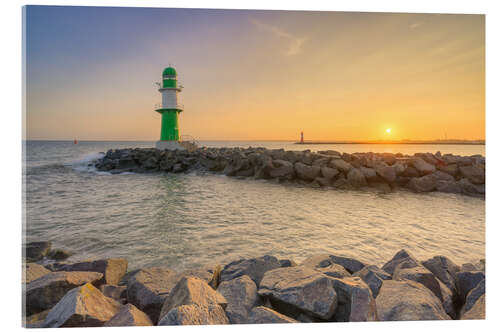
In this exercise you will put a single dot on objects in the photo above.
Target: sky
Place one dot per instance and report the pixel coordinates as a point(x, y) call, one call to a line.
point(254, 75)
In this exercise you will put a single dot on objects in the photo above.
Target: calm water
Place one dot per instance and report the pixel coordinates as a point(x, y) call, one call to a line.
point(185, 220)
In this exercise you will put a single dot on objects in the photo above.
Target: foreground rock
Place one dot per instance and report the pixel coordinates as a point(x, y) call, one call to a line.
point(129, 315)
point(466, 281)
point(373, 277)
point(84, 306)
point(241, 296)
point(408, 300)
point(263, 315)
point(253, 268)
point(299, 289)
point(44, 292)
point(477, 311)
point(37, 250)
point(444, 269)
point(403, 258)
point(32, 271)
point(474, 295)
point(195, 315)
point(113, 269)
point(355, 300)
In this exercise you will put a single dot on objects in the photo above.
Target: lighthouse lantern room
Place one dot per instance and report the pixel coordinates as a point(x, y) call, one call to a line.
point(169, 110)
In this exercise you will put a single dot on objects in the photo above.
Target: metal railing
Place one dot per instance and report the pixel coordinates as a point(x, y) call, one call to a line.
point(160, 106)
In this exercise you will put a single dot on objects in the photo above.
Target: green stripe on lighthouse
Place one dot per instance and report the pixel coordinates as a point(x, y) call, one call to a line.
point(169, 124)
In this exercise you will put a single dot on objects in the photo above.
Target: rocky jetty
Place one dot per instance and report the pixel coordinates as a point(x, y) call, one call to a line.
point(385, 172)
point(323, 288)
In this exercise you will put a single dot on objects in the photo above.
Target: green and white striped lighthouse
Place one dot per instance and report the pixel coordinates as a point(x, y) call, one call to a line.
point(169, 110)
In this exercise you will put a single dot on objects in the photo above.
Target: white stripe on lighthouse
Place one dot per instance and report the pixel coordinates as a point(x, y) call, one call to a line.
point(169, 99)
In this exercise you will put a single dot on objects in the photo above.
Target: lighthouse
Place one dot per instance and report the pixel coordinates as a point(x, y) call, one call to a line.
point(169, 110)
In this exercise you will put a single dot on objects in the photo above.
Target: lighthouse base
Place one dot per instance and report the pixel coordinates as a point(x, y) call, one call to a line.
point(169, 145)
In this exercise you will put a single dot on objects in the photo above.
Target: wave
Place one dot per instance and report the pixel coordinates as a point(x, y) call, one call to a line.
point(86, 163)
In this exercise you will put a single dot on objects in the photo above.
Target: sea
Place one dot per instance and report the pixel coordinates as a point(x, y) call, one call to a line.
point(185, 221)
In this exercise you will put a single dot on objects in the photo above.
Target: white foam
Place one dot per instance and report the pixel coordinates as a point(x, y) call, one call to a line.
point(82, 164)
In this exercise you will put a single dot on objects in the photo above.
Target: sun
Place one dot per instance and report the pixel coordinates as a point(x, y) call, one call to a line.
point(388, 131)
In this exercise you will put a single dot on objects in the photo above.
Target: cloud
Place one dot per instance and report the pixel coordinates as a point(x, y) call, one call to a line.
point(415, 25)
point(295, 43)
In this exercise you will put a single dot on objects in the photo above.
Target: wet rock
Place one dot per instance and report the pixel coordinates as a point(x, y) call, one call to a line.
point(422, 166)
point(287, 263)
point(340, 165)
point(263, 315)
point(451, 169)
point(282, 169)
point(112, 269)
point(408, 300)
point(254, 268)
point(422, 184)
point(148, 288)
point(329, 173)
point(321, 162)
point(471, 189)
point(112, 291)
point(386, 172)
point(373, 277)
point(241, 296)
point(37, 250)
point(369, 173)
point(306, 172)
point(300, 288)
point(474, 173)
point(44, 292)
point(451, 186)
point(84, 306)
point(32, 271)
point(449, 302)
point(466, 281)
point(477, 311)
point(59, 254)
point(410, 172)
point(194, 314)
point(356, 178)
point(323, 182)
point(129, 315)
point(442, 176)
point(350, 264)
point(468, 267)
point(210, 274)
point(402, 256)
point(474, 295)
point(324, 264)
point(444, 269)
point(355, 300)
point(421, 275)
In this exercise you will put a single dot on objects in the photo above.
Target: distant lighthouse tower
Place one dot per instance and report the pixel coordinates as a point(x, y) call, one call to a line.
point(169, 110)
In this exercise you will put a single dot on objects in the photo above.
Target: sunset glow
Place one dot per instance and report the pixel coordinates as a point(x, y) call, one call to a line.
point(255, 75)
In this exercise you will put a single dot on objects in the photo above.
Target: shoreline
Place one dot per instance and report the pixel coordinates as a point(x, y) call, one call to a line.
point(266, 289)
point(384, 172)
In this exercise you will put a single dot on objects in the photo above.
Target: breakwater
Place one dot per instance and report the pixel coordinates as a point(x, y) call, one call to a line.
point(386, 172)
point(322, 288)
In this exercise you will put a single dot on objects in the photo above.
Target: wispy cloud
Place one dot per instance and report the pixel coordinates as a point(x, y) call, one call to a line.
point(294, 43)
point(415, 25)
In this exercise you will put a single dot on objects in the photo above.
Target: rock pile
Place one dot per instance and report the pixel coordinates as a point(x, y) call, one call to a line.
point(422, 172)
point(323, 288)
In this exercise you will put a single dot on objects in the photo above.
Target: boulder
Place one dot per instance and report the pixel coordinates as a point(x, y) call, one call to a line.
point(59, 254)
point(422, 166)
point(451, 186)
point(282, 169)
point(241, 296)
point(442, 176)
point(386, 172)
point(191, 290)
point(399, 168)
point(468, 267)
point(400, 257)
point(474, 173)
point(148, 288)
point(37, 250)
point(321, 162)
point(451, 169)
point(469, 188)
point(254, 268)
point(299, 289)
point(44, 292)
point(322, 181)
point(421, 275)
point(340, 165)
point(35, 320)
point(410, 172)
point(422, 184)
point(329, 173)
point(210, 274)
point(350, 264)
point(449, 300)
point(355, 178)
point(113, 269)
point(477, 311)
point(408, 300)
point(355, 300)
point(306, 172)
point(474, 295)
point(369, 173)
point(323, 263)
point(32, 271)
point(194, 314)
point(129, 315)
point(444, 269)
point(466, 281)
point(84, 306)
point(287, 263)
point(373, 277)
point(112, 291)
point(263, 315)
